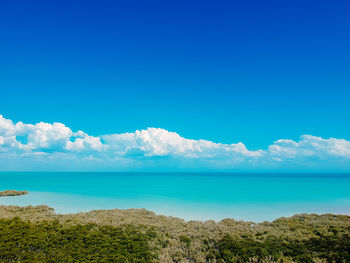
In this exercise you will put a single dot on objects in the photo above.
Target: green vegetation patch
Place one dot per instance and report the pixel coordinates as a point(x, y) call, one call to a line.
point(47, 241)
point(138, 235)
point(12, 193)
point(323, 248)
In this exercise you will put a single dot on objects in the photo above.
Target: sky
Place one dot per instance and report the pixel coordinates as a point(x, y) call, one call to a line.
point(217, 73)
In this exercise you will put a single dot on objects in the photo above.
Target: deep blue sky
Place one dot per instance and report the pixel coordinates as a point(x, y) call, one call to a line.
point(226, 71)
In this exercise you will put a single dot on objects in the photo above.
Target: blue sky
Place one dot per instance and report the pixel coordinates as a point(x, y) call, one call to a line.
point(224, 71)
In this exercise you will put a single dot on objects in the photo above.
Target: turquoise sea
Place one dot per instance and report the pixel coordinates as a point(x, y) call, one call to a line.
point(200, 196)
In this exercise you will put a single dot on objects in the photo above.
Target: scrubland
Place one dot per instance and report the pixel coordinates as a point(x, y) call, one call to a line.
point(38, 234)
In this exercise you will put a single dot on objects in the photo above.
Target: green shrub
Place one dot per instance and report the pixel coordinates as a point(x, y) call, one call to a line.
point(53, 242)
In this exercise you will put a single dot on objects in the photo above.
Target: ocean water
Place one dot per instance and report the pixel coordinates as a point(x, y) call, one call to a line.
point(191, 196)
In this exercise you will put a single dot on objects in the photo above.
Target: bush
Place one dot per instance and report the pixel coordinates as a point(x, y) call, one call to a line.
point(22, 241)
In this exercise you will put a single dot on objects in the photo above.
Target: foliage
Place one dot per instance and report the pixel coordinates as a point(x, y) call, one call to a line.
point(53, 242)
point(331, 248)
point(103, 235)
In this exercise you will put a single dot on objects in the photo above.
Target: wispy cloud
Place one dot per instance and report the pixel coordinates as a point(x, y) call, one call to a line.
point(51, 146)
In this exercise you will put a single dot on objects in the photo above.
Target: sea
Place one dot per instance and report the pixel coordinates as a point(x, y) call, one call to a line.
point(252, 197)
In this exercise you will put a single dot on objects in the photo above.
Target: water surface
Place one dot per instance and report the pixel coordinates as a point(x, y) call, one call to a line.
point(201, 196)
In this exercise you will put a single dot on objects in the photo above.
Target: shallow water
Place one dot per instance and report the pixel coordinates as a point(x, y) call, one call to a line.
point(200, 196)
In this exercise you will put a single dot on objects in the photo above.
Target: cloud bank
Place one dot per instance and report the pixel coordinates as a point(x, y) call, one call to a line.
point(54, 146)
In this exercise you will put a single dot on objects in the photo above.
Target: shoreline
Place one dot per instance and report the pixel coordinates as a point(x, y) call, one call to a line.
point(45, 210)
point(188, 196)
point(65, 204)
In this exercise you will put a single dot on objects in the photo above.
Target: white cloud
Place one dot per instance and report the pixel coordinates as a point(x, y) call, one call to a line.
point(312, 147)
point(84, 142)
point(160, 142)
point(47, 142)
point(48, 136)
point(42, 136)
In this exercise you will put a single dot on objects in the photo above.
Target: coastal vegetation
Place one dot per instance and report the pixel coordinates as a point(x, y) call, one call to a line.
point(51, 241)
point(38, 234)
point(12, 193)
